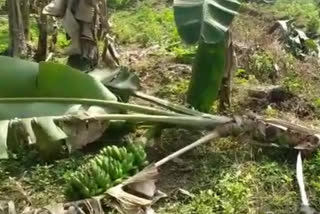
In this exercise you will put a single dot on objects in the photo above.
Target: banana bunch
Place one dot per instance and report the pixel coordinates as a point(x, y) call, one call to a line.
point(109, 168)
point(139, 154)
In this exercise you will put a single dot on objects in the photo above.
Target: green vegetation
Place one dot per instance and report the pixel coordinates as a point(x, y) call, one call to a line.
point(118, 4)
point(262, 66)
point(313, 173)
point(236, 178)
point(4, 35)
point(145, 27)
point(305, 12)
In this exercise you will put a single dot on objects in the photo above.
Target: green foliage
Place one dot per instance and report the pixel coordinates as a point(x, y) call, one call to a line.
point(293, 83)
point(228, 193)
point(110, 167)
point(317, 103)
point(175, 90)
point(312, 168)
point(4, 35)
point(145, 26)
point(262, 66)
point(62, 41)
point(184, 54)
point(304, 11)
point(117, 4)
point(36, 176)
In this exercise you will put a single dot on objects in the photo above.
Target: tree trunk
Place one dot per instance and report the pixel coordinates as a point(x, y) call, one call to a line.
point(25, 10)
point(54, 34)
point(17, 46)
point(225, 89)
point(43, 33)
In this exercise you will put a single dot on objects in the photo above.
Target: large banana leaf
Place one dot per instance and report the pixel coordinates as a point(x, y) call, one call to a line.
point(19, 78)
point(208, 20)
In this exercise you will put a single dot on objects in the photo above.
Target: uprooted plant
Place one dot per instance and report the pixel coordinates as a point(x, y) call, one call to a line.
point(138, 193)
point(52, 113)
point(50, 117)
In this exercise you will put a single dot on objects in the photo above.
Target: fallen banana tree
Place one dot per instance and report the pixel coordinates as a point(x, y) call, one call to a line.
point(138, 193)
point(42, 109)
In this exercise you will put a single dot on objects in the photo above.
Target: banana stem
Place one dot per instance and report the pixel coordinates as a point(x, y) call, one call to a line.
point(299, 169)
point(187, 121)
point(102, 103)
point(169, 105)
point(205, 139)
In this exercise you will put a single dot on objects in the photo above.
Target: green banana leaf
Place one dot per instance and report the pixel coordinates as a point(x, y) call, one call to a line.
point(30, 79)
point(120, 81)
point(20, 79)
point(206, 20)
point(207, 23)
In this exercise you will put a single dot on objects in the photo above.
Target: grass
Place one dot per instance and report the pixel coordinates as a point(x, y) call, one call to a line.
point(238, 179)
point(41, 182)
point(304, 12)
point(145, 26)
point(149, 26)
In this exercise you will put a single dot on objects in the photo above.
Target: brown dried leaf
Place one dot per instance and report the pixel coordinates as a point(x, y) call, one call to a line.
point(142, 183)
point(81, 133)
point(55, 8)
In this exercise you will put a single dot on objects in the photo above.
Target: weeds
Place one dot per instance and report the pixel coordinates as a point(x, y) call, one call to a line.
point(174, 91)
point(117, 4)
point(304, 11)
point(4, 35)
point(293, 83)
point(147, 26)
point(262, 66)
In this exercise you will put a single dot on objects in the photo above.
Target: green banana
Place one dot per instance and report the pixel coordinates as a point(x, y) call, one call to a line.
point(117, 153)
point(110, 167)
point(124, 153)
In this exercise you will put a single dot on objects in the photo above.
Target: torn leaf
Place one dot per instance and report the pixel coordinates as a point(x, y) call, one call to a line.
point(50, 128)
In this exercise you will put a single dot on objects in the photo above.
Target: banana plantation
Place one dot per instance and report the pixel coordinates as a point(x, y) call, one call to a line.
point(159, 106)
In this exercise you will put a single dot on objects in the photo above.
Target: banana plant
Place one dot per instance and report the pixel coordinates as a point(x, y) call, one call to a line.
point(207, 23)
point(85, 22)
point(50, 105)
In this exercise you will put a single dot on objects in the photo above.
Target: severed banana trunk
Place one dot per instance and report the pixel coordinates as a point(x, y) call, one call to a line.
point(85, 22)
